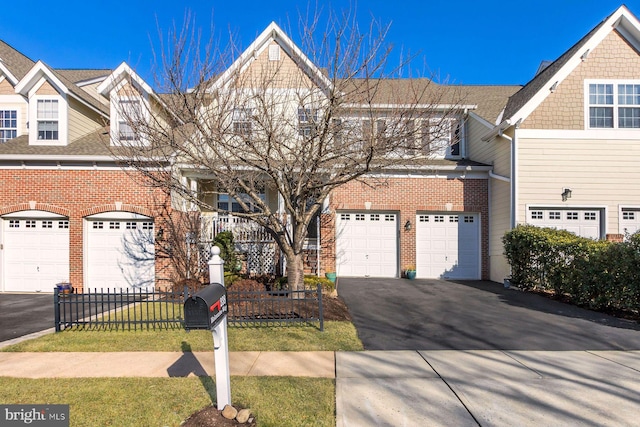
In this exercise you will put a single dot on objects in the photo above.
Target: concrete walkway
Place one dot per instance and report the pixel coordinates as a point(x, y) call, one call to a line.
point(398, 388)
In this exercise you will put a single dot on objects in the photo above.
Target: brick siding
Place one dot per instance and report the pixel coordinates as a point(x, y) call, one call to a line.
point(407, 197)
point(77, 194)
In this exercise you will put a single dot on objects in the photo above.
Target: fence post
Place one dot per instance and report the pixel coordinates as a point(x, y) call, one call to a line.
point(320, 311)
point(220, 339)
point(56, 309)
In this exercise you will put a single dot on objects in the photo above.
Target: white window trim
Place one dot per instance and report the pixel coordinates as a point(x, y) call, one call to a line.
point(615, 105)
point(63, 118)
point(18, 110)
point(116, 116)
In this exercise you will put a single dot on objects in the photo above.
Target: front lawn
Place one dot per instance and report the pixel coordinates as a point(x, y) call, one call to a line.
point(99, 402)
point(337, 336)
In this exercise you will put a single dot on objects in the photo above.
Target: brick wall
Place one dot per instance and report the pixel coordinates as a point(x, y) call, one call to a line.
point(407, 197)
point(76, 194)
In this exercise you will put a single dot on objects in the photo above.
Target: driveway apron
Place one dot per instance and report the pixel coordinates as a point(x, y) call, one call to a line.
point(400, 314)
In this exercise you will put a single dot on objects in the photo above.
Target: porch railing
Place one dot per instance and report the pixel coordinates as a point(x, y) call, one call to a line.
point(243, 229)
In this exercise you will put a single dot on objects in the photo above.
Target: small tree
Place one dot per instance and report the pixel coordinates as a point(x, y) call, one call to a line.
point(286, 128)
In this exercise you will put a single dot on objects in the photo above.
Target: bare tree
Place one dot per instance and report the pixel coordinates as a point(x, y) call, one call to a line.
point(277, 124)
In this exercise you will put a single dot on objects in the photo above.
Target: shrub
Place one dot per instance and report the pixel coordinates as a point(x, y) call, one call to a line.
point(224, 240)
point(310, 282)
point(600, 275)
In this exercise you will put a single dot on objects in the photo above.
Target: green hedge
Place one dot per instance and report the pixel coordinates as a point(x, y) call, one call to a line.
point(597, 274)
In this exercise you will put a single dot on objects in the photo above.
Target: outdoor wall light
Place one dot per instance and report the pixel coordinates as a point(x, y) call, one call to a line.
point(566, 194)
point(407, 226)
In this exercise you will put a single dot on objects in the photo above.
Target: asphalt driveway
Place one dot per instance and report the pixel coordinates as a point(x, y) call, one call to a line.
point(400, 314)
point(23, 314)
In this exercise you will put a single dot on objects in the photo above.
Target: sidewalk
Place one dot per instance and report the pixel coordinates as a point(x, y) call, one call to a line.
point(165, 364)
point(391, 388)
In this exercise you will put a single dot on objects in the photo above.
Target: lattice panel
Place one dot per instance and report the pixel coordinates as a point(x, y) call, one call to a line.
point(261, 257)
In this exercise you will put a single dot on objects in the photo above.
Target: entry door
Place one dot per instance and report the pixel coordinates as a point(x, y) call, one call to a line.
point(448, 246)
point(36, 254)
point(367, 244)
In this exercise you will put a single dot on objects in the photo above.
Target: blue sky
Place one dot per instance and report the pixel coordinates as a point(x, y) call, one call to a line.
point(466, 41)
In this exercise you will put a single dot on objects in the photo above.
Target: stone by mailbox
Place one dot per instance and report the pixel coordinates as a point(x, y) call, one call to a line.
point(207, 308)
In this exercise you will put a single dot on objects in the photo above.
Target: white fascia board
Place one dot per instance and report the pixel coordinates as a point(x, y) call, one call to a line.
point(586, 134)
point(114, 79)
point(12, 79)
point(495, 131)
point(443, 107)
point(480, 120)
point(38, 71)
point(272, 32)
point(620, 17)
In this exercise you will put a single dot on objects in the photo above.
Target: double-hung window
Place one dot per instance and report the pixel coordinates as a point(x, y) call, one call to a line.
point(614, 105)
point(307, 119)
point(8, 125)
point(242, 121)
point(47, 118)
point(129, 112)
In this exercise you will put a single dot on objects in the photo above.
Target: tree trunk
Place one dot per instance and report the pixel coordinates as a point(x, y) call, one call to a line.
point(295, 271)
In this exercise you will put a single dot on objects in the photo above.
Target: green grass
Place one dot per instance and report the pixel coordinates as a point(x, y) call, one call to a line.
point(275, 401)
point(336, 336)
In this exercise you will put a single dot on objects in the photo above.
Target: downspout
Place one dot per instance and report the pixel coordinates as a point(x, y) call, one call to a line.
point(514, 174)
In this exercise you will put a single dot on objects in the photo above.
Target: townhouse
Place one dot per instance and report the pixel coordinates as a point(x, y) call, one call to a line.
point(560, 151)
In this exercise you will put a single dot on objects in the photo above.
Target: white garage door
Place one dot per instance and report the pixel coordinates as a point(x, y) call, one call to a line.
point(367, 245)
point(35, 253)
point(629, 221)
point(582, 222)
point(448, 246)
point(119, 252)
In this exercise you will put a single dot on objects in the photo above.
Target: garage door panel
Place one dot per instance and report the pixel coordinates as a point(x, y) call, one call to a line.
point(36, 254)
point(120, 255)
point(447, 246)
point(366, 244)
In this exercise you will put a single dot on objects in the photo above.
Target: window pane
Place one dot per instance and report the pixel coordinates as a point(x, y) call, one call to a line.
point(629, 94)
point(8, 124)
point(47, 130)
point(601, 94)
point(629, 117)
point(601, 117)
point(47, 109)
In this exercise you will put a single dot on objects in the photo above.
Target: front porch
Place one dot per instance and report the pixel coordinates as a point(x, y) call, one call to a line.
point(257, 248)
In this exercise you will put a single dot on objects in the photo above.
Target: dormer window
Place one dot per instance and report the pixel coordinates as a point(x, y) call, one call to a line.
point(8, 125)
point(128, 110)
point(47, 117)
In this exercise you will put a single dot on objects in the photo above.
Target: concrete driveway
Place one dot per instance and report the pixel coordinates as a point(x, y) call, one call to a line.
point(23, 314)
point(400, 314)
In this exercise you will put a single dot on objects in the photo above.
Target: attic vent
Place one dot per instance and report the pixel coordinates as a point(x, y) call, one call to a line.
point(274, 52)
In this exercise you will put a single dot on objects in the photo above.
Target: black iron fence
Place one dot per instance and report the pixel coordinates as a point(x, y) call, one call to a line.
point(139, 309)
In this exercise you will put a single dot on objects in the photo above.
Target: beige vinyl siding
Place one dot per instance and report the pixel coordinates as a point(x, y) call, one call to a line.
point(599, 173)
point(47, 89)
point(289, 75)
point(93, 92)
point(499, 223)
point(495, 152)
point(6, 88)
point(82, 120)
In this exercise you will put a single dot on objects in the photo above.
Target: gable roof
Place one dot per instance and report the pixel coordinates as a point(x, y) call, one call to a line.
point(61, 82)
point(13, 63)
point(273, 33)
point(533, 93)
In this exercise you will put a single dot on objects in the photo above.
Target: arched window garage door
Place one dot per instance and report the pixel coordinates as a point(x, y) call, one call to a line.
point(35, 255)
point(119, 251)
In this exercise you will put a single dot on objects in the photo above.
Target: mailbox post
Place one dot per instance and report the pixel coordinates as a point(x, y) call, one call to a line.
point(208, 309)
